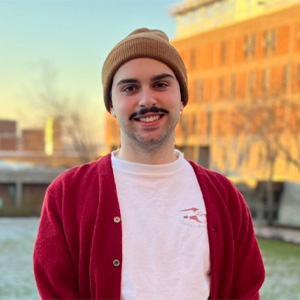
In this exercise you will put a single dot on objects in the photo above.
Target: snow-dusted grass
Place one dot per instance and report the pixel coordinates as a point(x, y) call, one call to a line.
point(282, 263)
point(17, 235)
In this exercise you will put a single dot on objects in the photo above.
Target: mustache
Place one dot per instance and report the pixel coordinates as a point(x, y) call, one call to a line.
point(146, 110)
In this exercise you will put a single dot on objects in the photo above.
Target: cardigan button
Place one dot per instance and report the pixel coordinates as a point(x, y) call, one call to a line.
point(117, 219)
point(116, 262)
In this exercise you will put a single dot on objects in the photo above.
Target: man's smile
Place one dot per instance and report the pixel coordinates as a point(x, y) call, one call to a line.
point(148, 114)
point(149, 119)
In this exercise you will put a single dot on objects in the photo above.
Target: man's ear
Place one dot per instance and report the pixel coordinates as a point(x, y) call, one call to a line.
point(181, 106)
point(111, 110)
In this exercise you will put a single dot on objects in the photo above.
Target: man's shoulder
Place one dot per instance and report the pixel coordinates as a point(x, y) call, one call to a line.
point(216, 185)
point(207, 174)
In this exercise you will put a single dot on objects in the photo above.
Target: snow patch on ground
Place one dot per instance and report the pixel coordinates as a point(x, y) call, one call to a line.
point(17, 236)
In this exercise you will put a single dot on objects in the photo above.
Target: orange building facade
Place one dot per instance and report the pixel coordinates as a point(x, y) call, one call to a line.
point(244, 82)
point(243, 63)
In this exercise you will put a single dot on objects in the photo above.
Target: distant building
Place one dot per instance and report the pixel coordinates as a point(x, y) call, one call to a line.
point(33, 140)
point(243, 62)
point(8, 127)
point(38, 146)
point(8, 135)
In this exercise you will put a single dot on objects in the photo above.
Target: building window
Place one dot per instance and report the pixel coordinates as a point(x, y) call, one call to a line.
point(198, 90)
point(204, 157)
point(249, 45)
point(286, 77)
point(223, 52)
point(298, 74)
point(184, 126)
point(209, 123)
point(193, 59)
point(233, 85)
point(270, 40)
point(251, 82)
point(12, 190)
point(193, 124)
point(221, 87)
point(265, 81)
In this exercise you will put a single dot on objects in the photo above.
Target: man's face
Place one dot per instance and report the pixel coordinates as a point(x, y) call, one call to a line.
point(147, 103)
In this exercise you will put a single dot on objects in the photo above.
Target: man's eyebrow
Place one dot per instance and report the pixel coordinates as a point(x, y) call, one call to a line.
point(154, 78)
point(162, 76)
point(127, 80)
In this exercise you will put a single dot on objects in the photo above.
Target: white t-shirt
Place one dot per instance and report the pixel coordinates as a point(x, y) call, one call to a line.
point(165, 240)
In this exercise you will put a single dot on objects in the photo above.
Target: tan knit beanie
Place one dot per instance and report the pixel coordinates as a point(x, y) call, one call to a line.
point(140, 43)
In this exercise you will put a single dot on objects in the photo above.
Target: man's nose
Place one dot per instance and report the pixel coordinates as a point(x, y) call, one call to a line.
point(147, 98)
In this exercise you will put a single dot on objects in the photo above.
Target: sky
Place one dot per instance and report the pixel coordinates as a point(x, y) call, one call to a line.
point(63, 44)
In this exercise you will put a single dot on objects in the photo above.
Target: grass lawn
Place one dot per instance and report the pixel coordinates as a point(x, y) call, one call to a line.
point(282, 262)
point(16, 245)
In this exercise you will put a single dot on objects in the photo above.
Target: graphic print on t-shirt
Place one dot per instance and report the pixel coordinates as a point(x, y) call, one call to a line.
point(193, 217)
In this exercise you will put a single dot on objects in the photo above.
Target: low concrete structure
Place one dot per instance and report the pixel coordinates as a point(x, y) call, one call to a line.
point(22, 187)
point(286, 205)
point(289, 235)
point(289, 209)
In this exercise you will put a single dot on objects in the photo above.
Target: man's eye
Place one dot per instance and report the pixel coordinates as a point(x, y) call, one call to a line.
point(161, 85)
point(129, 88)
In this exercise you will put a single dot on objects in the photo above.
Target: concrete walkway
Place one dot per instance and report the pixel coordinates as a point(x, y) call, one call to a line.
point(278, 233)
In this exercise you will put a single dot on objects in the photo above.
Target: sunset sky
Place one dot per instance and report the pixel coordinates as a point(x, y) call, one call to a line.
point(68, 41)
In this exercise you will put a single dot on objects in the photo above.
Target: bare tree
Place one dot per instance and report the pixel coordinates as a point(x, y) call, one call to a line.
point(232, 140)
point(262, 120)
point(289, 143)
point(47, 102)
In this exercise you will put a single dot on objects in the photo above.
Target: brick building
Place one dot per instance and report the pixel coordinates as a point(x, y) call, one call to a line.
point(8, 135)
point(35, 145)
point(244, 82)
point(33, 140)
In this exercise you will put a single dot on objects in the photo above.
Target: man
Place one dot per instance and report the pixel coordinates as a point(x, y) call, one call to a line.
point(142, 222)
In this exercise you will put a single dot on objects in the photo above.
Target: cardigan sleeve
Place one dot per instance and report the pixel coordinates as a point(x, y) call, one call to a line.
point(249, 273)
point(55, 273)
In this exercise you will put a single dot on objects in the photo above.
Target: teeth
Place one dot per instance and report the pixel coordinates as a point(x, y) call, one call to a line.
point(149, 119)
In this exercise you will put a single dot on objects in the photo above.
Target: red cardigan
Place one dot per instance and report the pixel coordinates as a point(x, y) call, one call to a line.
point(79, 241)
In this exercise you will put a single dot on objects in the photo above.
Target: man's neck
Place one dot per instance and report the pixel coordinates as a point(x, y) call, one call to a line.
point(154, 156)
